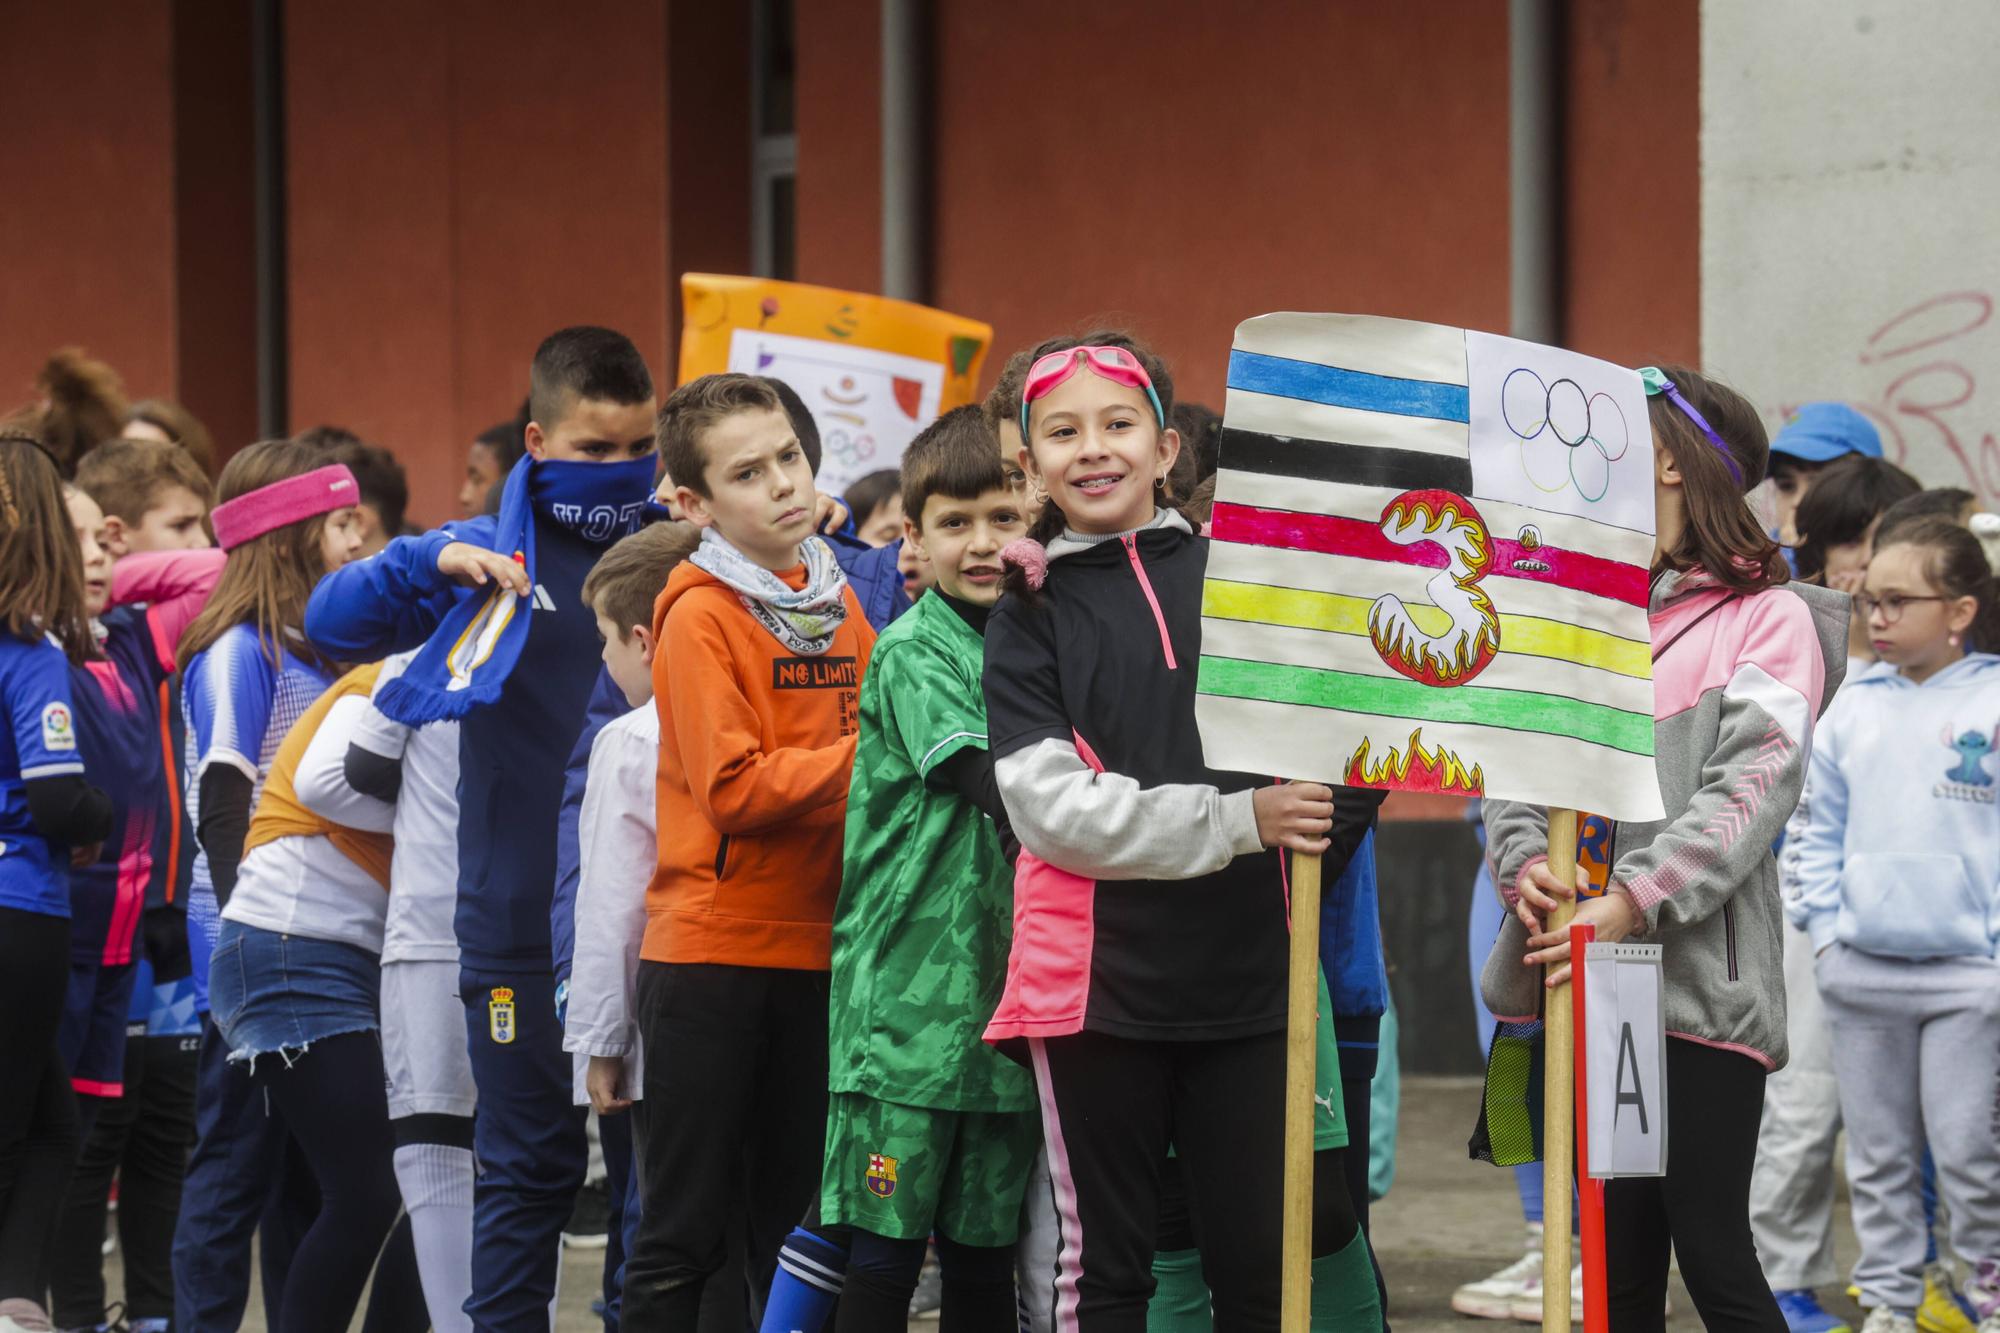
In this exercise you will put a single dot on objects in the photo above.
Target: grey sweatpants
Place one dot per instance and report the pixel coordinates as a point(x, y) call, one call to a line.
point(1791, 1189)
point(1916, 1046)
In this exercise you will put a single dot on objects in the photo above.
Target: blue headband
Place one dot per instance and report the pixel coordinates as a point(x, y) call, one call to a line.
point(1657, 384)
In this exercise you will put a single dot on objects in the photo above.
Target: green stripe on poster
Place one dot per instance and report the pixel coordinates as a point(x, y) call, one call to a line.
point(1393, 696)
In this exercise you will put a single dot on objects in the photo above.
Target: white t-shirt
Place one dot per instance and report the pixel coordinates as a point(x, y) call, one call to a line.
point(423, 877)
point(304, 885)
point(617, 847)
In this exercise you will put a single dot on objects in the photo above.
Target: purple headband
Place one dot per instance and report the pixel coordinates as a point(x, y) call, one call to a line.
point(1657, 383)
point(254, 513)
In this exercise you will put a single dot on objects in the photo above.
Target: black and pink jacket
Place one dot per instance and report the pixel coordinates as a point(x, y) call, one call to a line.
point(1145, 905)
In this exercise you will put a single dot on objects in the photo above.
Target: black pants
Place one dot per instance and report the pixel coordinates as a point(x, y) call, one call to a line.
point(143, 1139)
point(1111, 1107)
point(882, 1275)
point(334, 1099)
point(38, 1126)
point(735, 1109)
point(1700, 1210)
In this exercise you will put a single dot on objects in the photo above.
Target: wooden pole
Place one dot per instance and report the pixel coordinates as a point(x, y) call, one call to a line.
point(1301, 1065)
point(1558, 1096)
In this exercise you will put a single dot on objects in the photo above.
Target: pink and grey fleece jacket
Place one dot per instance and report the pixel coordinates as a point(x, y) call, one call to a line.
point(1738, 683)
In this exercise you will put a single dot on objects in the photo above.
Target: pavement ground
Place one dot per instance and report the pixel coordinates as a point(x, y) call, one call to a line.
point(1447, 1221)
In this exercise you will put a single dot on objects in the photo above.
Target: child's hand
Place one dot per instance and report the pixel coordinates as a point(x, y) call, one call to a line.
point(475, 567)
point(830, 514)
point(79, 857)
point(1615, 917)
point(1539, 892)
point(1296, 815)
point(601, 1080)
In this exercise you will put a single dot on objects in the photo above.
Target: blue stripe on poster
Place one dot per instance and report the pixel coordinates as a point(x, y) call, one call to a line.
point(1336, 387)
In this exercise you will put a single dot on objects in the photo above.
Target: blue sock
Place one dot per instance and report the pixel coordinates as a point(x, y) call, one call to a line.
point(810, 1272)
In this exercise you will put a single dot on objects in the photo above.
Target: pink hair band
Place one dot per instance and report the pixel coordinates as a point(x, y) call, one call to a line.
point(268, 508)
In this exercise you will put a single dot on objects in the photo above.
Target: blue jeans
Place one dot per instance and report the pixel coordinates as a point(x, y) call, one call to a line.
point(528, 1137)
point(278, 994)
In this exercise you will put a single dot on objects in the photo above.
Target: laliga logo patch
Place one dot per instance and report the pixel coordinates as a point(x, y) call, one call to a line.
point(58, 729)
point(500, 1015)
point(881, 1175)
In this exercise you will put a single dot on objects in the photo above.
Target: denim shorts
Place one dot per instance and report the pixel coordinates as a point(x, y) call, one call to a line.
point(281, 993)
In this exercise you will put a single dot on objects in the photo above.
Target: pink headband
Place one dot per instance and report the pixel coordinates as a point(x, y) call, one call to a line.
point(268, 508)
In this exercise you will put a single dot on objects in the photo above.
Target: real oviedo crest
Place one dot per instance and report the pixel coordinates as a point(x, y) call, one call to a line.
point(500, 1015)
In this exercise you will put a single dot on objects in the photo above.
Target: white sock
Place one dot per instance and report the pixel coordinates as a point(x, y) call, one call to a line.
point(436, 1181)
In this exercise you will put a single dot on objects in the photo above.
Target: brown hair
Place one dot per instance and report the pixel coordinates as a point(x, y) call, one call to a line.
point(1003, 403)
point(267, 580)
point(1050, 523)
point(1721, 534)
point(41, 567)
point(627, 579)
point(180, 425)
point(1955, 564)
point(956, 456)
point(82, 405)
point(1840, 507)
point(126, 477)
point(698, 407)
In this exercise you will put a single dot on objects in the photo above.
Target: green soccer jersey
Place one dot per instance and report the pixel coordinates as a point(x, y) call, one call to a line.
point(921, 931)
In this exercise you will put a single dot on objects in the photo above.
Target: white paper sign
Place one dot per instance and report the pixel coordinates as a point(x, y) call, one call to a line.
point(1624, 1021)
point(1553, 429)
point(868, 404)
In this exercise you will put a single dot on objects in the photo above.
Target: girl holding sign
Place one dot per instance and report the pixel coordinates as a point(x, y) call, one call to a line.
point(1897, 868)
point(1740, 670)
point(1150, 953)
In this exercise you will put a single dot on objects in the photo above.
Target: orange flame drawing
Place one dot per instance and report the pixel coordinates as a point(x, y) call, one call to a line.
point(1419, 768)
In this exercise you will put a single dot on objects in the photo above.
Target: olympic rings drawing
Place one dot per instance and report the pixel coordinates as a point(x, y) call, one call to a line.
point(1570, 419)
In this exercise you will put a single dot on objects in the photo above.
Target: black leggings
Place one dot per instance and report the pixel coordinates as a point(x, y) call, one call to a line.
point(143, 1139)
point(1111, 1108)
point(332, 1098)
point(38, 1126)
point(882, 1276)
point(1699, 1210)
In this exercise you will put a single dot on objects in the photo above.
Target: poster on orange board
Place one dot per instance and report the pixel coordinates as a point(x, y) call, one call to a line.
point(874, 371)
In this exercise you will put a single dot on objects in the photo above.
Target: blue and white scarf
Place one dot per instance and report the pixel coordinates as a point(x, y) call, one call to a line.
point(803, 619)
point(466, 661)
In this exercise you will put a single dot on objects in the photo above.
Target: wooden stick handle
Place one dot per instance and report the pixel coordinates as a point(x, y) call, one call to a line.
point(1558, 1092)
point(1301, 1065)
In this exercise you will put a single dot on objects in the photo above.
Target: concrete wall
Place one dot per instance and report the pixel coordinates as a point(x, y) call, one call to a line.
point(1849, 183)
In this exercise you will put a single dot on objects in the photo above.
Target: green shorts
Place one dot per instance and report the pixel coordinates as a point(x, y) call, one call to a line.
point(904, 1171)
point(1329, 1119)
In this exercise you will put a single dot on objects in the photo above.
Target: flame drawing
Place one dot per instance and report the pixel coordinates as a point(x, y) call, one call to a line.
point(1472, 637)
point(1419, 768)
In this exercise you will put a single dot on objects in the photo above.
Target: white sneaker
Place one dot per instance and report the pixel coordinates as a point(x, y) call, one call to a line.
point(1528, 1305)
point(1493, 1296)
point(1882, 1319)
point(23, 1316)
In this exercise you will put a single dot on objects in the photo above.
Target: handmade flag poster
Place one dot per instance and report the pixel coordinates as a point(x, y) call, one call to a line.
point(873, 371)
point(1430, 566)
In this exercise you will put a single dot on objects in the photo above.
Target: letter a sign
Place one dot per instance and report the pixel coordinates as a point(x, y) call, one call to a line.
point(1626, 1050)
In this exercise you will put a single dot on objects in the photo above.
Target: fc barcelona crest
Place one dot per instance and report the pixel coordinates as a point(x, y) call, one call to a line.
point(881, 1175)
point(500, 1015)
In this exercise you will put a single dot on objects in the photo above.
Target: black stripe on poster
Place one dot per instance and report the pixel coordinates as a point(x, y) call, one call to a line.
point(1353, 464)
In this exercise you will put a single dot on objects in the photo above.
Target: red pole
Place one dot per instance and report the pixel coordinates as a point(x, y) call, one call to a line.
point(1590, 1193)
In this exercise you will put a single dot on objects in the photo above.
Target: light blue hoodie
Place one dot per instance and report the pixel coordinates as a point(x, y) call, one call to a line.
point(1900, 849)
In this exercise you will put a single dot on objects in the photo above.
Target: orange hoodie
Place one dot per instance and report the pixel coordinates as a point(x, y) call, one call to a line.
point(756, 748)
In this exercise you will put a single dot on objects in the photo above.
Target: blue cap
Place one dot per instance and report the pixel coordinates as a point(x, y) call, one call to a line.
point(1822, 432)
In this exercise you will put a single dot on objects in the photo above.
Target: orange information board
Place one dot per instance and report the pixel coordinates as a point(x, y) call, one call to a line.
point(874, 371)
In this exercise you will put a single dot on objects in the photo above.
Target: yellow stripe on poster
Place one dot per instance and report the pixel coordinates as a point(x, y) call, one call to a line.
point(1335, 613)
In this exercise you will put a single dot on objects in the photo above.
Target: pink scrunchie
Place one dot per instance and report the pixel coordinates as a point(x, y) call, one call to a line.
point(268, 508)
point(1030, 557)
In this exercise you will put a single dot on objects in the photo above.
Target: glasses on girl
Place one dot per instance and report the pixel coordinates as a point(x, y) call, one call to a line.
point(1891, 606)
point(1116, 364)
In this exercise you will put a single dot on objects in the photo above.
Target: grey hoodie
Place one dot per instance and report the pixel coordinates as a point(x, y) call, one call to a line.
point(1738, 684)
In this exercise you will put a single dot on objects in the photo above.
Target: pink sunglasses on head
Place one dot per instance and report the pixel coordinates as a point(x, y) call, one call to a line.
point(1116, 364)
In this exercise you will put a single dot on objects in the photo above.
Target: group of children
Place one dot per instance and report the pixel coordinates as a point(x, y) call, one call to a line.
point(874, 909)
